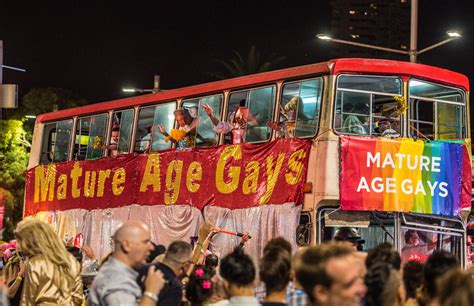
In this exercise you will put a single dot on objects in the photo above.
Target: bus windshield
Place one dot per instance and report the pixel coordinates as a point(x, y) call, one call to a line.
point(436, 111)
point(366, 104)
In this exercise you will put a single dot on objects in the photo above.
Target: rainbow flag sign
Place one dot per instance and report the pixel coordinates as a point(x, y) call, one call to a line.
point(405, 175)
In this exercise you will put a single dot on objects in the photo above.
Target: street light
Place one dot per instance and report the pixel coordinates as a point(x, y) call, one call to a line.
point(138, 90)
point(348, 42)
point(453, 35)
point(413, 52)
point(155, 89)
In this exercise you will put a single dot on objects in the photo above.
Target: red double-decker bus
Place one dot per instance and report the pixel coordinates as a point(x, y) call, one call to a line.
point(377, 145)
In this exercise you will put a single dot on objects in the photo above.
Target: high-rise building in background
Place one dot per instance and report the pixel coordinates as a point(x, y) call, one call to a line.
point(384, 23)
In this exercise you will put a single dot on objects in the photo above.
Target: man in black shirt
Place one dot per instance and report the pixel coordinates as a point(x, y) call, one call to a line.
point(176, 262)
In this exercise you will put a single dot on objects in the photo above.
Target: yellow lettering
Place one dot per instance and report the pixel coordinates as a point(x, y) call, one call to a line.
point(62, 188)
point(76, 173)
point(44, 183)
point(234, 172)
point(172, 186)
point(295, 164)
point(117, 181)
point(152, 174)
point(103, 175)
point(89, 184)
point(251, 178)
point(194, 174)
point(272, 176)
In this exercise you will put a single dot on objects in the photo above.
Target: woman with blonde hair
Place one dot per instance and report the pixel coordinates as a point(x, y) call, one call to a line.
point(52, 274)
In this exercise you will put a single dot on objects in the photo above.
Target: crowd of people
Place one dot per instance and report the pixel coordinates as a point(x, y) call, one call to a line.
point(40, 270)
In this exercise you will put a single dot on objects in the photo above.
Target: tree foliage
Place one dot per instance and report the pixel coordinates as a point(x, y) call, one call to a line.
point(255, 62)
point(14, 147)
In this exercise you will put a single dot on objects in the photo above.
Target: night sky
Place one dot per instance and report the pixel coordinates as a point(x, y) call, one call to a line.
point(96, 50)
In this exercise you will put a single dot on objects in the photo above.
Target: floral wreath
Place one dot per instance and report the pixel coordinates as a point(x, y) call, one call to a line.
point(292, 104)
point(176, 135)
point(402, 105)
point(97, 142)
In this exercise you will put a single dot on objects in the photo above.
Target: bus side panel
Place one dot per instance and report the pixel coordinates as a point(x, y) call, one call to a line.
point(36, 145)
point(323, 172)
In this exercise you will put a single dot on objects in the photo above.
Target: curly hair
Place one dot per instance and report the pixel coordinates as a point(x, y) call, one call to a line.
point(35, 237)
point(200, 287)
point(188, 119)
point(278, 243)
point(383, 252)
point(382, 285)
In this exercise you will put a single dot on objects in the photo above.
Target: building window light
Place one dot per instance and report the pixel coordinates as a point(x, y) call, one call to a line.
point(365, 13)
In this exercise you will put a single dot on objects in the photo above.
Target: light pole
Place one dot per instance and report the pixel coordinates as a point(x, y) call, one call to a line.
point(413, 52)
point(155, 89)
point(8, 92)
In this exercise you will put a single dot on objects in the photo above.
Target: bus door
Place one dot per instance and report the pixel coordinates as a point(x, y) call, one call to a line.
point(421, 235)
point(374, 227)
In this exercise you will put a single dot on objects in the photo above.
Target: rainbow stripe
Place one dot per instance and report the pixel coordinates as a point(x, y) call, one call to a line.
point(405, 175)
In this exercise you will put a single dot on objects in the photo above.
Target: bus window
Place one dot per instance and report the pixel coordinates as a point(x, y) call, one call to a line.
point(418, 245)
point(56, 140)
point(373, 227)
point(423, 125)
point(255, 108)
point(148, 137)
point(205, 134)
point(121, 132)
point(436, 111)
point(362, 102)
point(90, 137)
point(300, 106)
point(421, 235)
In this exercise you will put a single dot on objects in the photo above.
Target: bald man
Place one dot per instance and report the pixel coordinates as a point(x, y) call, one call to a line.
point(116, 284)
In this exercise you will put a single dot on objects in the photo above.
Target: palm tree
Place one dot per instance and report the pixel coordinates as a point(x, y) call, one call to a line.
point(253, 63)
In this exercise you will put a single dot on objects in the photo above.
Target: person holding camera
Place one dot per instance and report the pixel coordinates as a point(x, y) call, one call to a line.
point(115, 283)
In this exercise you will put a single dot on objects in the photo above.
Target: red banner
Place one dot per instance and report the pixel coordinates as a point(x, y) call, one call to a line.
point(231, 176)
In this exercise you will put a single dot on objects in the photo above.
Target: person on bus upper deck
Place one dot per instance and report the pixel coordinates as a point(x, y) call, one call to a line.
point(352, 123)
point(145, 142)
point(236, 122)
point(416, 248)
point(386, 130)
point(187, 124)
point(193, 111)
point(349, 235)
point(288, 115)
point(114, 140)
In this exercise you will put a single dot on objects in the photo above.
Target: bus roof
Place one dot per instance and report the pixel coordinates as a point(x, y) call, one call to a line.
point(336, 66)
